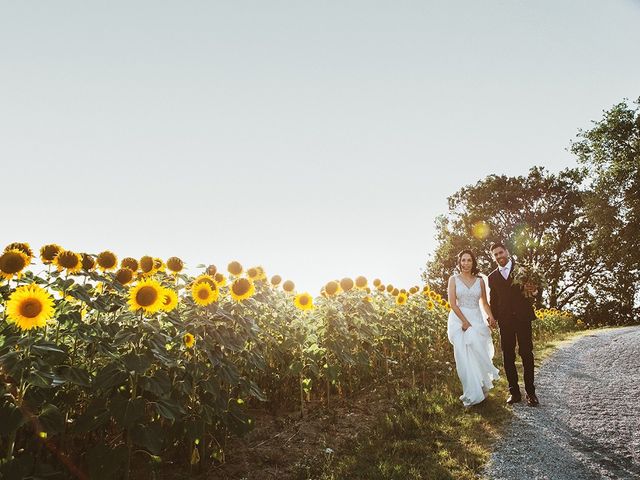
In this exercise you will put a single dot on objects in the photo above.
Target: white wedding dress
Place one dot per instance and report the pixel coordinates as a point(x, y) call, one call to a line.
point(473, 349)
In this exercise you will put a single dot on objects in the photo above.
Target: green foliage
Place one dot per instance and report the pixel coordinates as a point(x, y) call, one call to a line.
point(425, 432)
point(579, 226)
point(117, 390)
point(611, 152)
point(539, 217)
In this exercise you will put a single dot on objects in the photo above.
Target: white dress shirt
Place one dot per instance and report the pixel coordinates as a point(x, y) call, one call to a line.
point(506, 269)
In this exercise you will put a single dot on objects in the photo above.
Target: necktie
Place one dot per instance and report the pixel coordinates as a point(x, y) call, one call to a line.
point(504, 271)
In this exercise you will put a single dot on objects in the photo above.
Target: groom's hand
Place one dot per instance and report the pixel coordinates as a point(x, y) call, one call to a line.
point(492, 322)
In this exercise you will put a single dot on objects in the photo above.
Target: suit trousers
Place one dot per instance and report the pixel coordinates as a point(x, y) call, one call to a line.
point(513, 330)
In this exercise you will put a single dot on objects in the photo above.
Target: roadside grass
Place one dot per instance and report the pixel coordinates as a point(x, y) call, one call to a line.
point(428, 434)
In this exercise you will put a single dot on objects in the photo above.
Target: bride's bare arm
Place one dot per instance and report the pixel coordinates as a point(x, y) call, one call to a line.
point(451, 291)
point(485, 304)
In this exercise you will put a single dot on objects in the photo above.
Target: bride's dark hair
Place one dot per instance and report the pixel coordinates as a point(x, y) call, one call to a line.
point(474, 266)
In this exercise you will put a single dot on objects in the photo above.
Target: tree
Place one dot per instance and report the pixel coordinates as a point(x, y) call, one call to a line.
point(580, 226)
point(611, 153)
point(541, 219)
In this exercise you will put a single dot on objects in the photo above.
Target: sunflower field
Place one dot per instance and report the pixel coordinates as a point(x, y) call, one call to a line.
point(111, 366)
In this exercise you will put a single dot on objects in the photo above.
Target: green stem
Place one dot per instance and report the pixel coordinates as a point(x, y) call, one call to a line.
point(134, 385)
point(10, 445)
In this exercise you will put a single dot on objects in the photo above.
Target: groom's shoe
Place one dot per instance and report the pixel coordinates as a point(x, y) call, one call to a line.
point(532, 400)
point(514, 398)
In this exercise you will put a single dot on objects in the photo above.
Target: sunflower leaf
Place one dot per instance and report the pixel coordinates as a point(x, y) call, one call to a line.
point(126, 411)
point(11, 418)
point(77, 376)
point(148, 436)
point(51, 419)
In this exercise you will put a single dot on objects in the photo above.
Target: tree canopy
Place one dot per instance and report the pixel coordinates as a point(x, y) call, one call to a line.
point(579, 226)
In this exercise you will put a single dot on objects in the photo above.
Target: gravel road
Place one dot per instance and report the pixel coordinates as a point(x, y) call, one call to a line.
point(588, 423)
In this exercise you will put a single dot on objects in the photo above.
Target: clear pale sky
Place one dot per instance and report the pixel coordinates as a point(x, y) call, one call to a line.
point(318, 139)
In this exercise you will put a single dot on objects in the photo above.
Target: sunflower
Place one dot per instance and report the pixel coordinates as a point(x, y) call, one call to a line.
point(401, 299)
point(107, 261)
point(159, 265)
point(69, 261)
point(30, 306)
point(211, 270)
point(367, 299)
point(220, 279)
point(389, 288)
point(303, 301)
point(234, 268)
point(189, 340)
point(49, 252)
point(130, 263)
point(331, 288)
point(241, 289)
point(203, 294)
point(88, 262)
point(204, 278)
point(377, 282)
point(23, 247)
point(413, 290)
point(12, 262)
point(262, 275)
point(395, 292)
point(431, 305)
point(361, 282)
point(253, 273)
point(175, 264)
point(170, 299)
point(346, 284)
point(381, 288)
point(288, 286)
point(124, 275)
point(146, 295)
point(275, 280)
point(146, 265)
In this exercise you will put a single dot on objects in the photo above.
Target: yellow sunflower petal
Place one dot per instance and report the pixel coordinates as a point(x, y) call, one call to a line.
point(13, 262)
point(30, 306)
point(107, 261)
point(303, 301)
point(69, 261)
point(170, 301)
point(203, 294)
point(146, 295)
point(241, 289)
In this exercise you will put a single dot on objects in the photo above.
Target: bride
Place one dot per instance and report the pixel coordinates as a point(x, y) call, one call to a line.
point(468, 331)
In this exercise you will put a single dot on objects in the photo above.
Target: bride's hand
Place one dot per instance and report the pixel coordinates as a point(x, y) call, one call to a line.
point(465, 326)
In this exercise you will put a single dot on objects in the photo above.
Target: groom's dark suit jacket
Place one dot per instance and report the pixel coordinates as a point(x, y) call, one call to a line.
point(508, 303)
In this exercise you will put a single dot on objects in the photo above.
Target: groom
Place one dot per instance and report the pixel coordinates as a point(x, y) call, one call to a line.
point(514, 314)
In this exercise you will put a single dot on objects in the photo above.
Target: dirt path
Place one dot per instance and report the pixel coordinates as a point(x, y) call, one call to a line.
point(588, 423)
